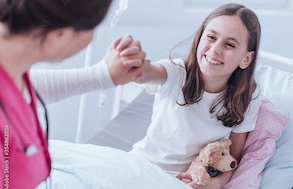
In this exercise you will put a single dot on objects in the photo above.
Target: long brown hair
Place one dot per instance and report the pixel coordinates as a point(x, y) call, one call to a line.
point(22, 16)
point(241, 84)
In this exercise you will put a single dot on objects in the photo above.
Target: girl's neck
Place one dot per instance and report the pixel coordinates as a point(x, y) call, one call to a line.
point(214, 85)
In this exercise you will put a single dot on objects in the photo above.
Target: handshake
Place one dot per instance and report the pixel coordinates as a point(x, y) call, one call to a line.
point(126, 61)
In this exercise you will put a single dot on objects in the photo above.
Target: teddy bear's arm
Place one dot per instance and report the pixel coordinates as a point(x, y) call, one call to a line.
point(200, 175)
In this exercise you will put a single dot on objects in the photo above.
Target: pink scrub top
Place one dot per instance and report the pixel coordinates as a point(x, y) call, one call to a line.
point(24, 156)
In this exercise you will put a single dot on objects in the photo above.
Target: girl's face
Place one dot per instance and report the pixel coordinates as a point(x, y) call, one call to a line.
point(223, 47)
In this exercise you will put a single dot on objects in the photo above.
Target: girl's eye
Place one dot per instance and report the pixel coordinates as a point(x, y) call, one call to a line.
point(223, 154)
point(211, 37)
point(230, 45)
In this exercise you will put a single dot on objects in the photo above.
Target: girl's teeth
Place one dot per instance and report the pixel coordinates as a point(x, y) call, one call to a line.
point(213, 61)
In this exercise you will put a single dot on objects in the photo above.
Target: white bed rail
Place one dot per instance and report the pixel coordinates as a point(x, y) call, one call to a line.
point(275, 60)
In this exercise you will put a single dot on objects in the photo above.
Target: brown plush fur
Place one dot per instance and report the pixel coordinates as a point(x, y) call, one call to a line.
point(216, 155)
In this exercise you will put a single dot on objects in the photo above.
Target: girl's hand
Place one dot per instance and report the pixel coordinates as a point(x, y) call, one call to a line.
point(124, 60)
point(214, 184)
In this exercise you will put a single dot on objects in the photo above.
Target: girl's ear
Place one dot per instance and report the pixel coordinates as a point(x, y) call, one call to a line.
point(247, 60)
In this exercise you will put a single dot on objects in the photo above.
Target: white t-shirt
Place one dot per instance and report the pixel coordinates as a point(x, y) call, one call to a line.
point(177, 133)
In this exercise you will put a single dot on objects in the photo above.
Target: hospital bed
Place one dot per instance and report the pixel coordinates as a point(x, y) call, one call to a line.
point(106, 164)
point(110, 122)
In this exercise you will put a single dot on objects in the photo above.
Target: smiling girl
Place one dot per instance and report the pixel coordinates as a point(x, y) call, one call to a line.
point(209, 95)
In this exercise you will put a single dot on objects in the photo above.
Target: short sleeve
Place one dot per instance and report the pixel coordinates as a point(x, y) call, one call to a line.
point(175, 76)
point(250, 116)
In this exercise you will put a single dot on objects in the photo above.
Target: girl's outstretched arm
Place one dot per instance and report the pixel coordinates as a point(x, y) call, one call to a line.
point(152, 73)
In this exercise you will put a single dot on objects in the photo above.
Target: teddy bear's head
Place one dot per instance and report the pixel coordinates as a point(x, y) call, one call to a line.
point(212, 159)
point(217, 155)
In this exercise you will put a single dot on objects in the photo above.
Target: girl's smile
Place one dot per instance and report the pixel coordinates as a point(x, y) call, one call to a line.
point(212, 61)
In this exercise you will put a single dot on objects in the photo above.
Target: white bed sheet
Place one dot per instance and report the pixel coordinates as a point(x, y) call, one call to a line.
point(77, 166)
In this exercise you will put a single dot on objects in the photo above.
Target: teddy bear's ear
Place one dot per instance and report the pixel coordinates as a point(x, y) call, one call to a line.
point(206, 155)
point(227, 142)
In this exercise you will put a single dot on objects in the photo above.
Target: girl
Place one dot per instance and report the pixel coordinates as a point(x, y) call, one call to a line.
point(33, 31)
point(208, 96)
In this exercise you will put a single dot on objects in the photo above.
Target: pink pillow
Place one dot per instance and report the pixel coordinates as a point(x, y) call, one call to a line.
point(260, 146)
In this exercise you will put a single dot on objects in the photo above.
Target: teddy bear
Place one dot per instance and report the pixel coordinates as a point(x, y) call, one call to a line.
point(213, 159)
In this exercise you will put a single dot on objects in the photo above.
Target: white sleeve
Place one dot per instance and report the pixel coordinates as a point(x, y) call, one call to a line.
point(54, 85)
point(251, 115)
point(175, 76)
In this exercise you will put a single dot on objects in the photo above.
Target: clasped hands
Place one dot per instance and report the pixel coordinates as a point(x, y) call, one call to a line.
point(126, 60)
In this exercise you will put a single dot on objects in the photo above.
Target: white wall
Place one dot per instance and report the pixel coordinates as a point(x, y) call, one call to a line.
point(159, 25)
